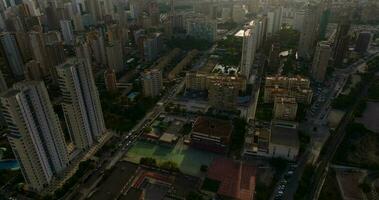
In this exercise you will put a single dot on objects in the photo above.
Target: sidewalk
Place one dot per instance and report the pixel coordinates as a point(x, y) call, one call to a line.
point(70, 171)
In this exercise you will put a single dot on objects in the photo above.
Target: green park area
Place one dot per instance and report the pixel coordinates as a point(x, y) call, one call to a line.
point(188, 160)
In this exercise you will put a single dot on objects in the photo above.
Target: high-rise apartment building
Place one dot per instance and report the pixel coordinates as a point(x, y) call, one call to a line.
point(35, 134)
point(81, 103)
point(249, 47)
point(67, 32)
point(309, 32)
point(152, 82)
point(152, 46)
point(11, 52)
point(321, 61)
point(114, 56)
point(341, 43)
point(363, 42)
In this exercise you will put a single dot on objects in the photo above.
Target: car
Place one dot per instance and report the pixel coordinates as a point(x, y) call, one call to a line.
point(290, 172)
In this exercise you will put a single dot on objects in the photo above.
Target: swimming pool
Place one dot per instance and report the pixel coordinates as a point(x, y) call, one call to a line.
point(9, 164)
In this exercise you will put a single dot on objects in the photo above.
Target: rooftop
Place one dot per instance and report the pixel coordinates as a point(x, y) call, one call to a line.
point(213, 127)
point(282, 135)
point(114, 183)
point(237, 179)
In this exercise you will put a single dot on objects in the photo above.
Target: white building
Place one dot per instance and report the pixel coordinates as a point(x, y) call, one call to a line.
point(81, 103)
point(35, 134)
point(249, 47)
point(67, 32)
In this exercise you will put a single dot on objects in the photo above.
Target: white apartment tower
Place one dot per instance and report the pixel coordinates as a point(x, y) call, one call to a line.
point(249, 47)
point(34, 132)
point(81, 103)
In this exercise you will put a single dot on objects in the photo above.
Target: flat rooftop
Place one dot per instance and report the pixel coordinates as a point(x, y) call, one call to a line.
point(114, 183)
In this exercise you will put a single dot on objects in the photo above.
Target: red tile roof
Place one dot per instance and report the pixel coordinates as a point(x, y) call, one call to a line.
point(237, 179)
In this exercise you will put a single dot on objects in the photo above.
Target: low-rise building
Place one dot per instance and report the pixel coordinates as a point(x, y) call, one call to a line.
point(285, 108)
point(284, 142)
point(211, 134)
point(280, 139)
point(280, 86)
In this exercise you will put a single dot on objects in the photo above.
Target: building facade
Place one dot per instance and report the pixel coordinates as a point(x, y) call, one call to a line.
point(321, 61)
point(35, 134)
point(81, 103)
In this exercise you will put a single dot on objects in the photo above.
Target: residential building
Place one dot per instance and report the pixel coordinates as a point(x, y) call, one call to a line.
point(223, 95)
point(363, 42)
point(12, 54)
point(33, 71)
point(274, 21)
point(110, 80)
point(201, 28)
point(285, 108)
point(279, 86)
point(238, 13)
point(152, 46)
point(81, 103)
point(35, 134)
point(67, 32)
point(249, 47)
point(115, 56)
point(341, 43)
point(211, 134)
point(152, 82)
point(321, 61)
point(284, 141)
point(309, 32)
point(3, 83)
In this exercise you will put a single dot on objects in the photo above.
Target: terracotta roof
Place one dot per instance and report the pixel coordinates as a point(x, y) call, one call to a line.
point(237, 179)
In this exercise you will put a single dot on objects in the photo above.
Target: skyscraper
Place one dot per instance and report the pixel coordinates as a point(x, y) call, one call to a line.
point(363, 42)
point(67, 32)
point(341, 43)
point(81, 103)
point(249, 46)
point(12, 54)
point(152, 82)
point(35, 133)
point(114, 56)
point(321, 61)
point(309, 34)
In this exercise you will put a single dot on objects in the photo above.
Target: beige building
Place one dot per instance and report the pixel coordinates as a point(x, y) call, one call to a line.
point(81, 103)
point(321, 61)
point(203, 81)
point(280, 86)
point(285, 108)
point(34, 133)
point(223, 96)
point(152, 82)
point(183, 64)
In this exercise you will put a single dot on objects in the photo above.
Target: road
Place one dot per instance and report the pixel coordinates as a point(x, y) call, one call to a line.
point(333, 143)
point(318, 121)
